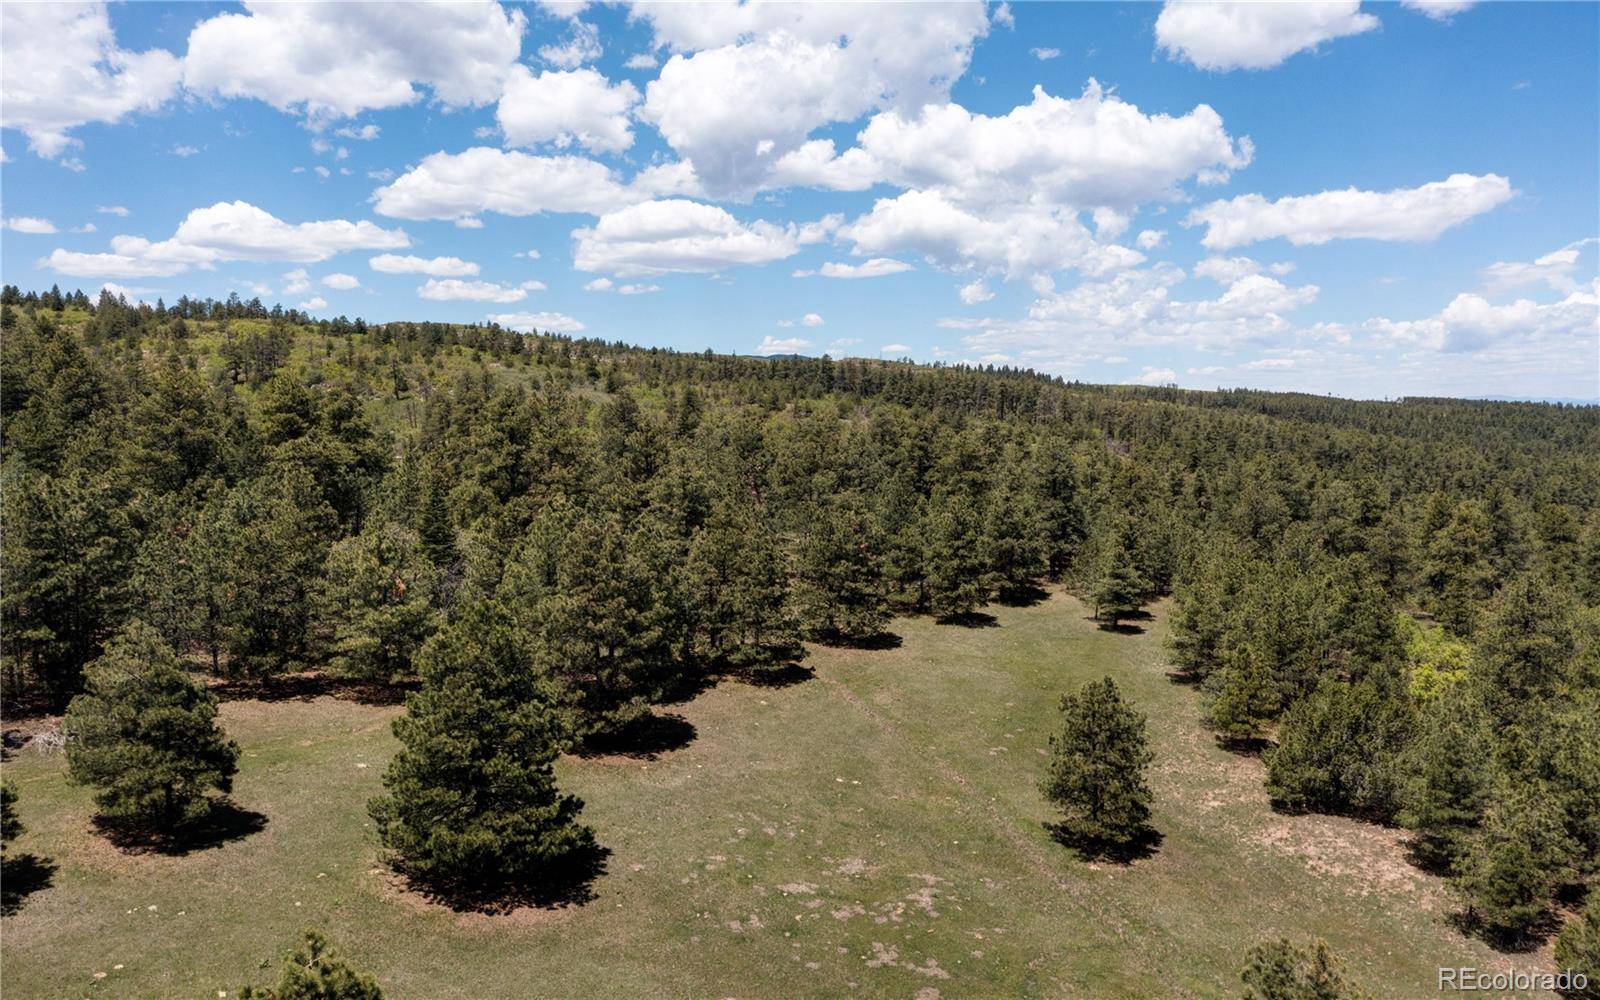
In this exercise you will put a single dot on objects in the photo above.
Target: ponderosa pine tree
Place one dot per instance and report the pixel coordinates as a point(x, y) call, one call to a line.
point(374, 602)
point(1524, 650)
point(1120, 590)
point(839, 587)
point(66, 553)
point(1339, 752)
point(264, 548)
point(1456, 569)
point(314, 970)
point(739, 582)
point(1096, 774)
point(1058, 502)
point(435, 527)
point(146, 737)
point(1577, 948)
point(1279, 970)
point(1014, 529)
point(955, 562)
point(1449, 767)
point(473, 808)
point(1244, 693)
point(1516, 860)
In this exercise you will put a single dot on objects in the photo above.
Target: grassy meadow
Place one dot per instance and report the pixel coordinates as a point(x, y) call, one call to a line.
point(874, 829)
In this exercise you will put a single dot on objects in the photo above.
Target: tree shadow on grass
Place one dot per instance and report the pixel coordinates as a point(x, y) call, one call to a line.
point(1244, 746)
point(224, 823)
point(777, 676)
point(1144, 844)
point(1120, 628)
point(567, 883)
point(646, 737)
point(877, 641)
point(1023, 597)
point(20, 877)
point(1510, 943)
point(970, 619)
point(1187, 678)
point(309, 685)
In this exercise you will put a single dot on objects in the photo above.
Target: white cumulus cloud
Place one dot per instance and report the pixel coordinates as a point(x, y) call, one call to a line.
point(63, 68)
point(565, 108)
point(482, 179)
point(329, 60)
point(546, 322)
point(1404, 214)
point(438, 267)
point(1218, 35)
point(660, 237)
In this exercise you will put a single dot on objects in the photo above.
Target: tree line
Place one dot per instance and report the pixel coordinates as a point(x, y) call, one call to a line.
point(1395, 601)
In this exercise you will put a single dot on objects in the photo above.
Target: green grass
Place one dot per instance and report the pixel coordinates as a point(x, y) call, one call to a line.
point(874, 830)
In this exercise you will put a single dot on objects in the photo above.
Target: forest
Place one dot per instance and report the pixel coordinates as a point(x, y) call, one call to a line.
point(537, 541)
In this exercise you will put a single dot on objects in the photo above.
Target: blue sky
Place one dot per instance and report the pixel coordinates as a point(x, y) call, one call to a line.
point(1370, 200)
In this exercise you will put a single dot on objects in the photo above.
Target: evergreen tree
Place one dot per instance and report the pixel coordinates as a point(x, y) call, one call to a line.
point(1450, 767)
point(1457, 570)
point(1059, 505)
point(955, 562)
point(1096, 774)
point(435, 527)
point(67, 547)
point(1244, 694)
point(739, 581)
point(840, 589)
point(146, 737)
point(264, 549)
point(1577, 950)
point(1279, 970)
point(1516, 860)
point(373, 603)
point(1014, 528)
point(1525, 649)
point(1120, 590)
point(472, 805)
point(1339, 751)
point(314, 970)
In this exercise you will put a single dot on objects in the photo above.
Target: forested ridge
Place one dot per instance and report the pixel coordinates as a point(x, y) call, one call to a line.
point(1397, 603)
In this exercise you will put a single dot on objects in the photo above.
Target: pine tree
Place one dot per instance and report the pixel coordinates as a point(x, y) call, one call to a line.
point(1577, 950)
point(1097, 768)
point(955, 561)
point(316, 971)
point(146, 737)
point(373, 603)
point(1457, 571)
point(1014, 528)
point(840, 589)
point(1525, 649)
point(1279, 970)
point(472, 808)
point(1245, 696)
point(1516, 860)
point(1119, 592)
point(1339, 752)
point(1450, 768)
point(1060, 508)
point(265, 547)
point(68, 545)
point(599, 630)
point(435, 528)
